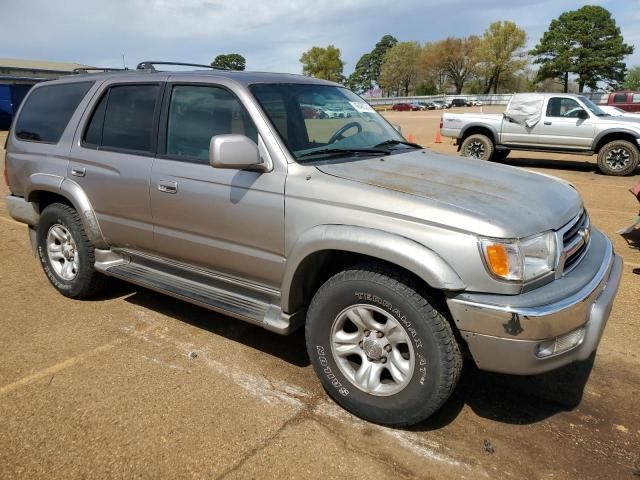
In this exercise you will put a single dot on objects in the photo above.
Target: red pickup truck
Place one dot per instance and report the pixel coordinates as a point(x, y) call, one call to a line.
point(629, 101)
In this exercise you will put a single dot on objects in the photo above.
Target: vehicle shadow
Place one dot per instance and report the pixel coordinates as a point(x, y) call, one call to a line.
point(517, 400)
point(555, 164)
point(290, 348)
point(508, 399)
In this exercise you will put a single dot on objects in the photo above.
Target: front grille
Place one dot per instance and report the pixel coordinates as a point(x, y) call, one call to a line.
point(575, 240)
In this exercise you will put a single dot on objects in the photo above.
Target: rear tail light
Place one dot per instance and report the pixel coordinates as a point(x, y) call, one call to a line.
point(441, 119)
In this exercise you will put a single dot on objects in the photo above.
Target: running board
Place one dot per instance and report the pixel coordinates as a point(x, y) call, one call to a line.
point(256, 311)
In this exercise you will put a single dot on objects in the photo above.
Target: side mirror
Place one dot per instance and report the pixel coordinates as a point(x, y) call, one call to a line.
point(397, 127)
point(235, 151)
point(583, 114)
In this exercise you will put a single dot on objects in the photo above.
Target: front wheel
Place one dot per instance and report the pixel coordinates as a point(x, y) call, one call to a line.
point(477, 146)
point(618, 158)
point(381, 349)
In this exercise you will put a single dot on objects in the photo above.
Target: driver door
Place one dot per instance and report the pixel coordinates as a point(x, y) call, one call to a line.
point(226, 220)
point(560, 127)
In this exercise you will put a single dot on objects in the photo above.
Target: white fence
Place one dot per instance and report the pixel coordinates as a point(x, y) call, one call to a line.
point(491, 99)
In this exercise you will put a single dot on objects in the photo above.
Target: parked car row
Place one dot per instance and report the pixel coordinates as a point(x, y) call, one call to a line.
point(326, 111)
point(427, 105)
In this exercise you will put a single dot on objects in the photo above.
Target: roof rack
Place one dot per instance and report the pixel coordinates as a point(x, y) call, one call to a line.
point(149, 65)
point(97, 69)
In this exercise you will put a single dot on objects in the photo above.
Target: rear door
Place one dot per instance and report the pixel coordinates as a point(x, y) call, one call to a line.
point(112, 156)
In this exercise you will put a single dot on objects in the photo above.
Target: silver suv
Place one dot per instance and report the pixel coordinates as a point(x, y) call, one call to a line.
point(217, 188)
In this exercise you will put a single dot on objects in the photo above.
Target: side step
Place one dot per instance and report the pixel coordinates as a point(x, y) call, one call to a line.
point(252, 310)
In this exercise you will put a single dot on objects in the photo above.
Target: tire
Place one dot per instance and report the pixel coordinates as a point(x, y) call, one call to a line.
point(406, 327)
point(477, 146)
point(500, 155)
point(65, 253)
point(618, 158)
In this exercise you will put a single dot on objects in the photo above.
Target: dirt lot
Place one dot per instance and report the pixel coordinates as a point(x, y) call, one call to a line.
point(138, 385)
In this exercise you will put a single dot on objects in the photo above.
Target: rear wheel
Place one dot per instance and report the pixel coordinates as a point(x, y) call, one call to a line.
point(381, 349)
point(66, 255)
point(477, 146)
point(618, 158)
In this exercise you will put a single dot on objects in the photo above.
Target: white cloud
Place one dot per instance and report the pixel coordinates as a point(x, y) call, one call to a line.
point(270, 34)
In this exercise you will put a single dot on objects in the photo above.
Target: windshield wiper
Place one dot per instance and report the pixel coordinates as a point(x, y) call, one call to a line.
point(343, 151)
point(397, 142)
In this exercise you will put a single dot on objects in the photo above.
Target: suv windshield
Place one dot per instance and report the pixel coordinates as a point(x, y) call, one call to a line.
point(316, 121)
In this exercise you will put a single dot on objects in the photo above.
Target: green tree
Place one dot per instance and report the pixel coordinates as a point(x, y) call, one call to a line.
point(323, 63)
point(361, 80)
point(376, 57)
point(459, 57)
point(230, 61)
point(400, 66)
point(433, 67)
point(632, 80)
point(500, 53)
point(586, 42)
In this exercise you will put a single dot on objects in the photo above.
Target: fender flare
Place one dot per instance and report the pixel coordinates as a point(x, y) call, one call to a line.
point(396, 249)
point(610, 131)
point(494, 132)
point(73, 193)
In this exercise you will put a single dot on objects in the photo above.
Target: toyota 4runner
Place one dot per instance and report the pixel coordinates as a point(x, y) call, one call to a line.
point(213, 187)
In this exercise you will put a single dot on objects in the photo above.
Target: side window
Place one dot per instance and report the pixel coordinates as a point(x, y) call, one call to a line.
point(197, 113)
point(128, 117)
point(563, 107)
point(93, 133)
point(123, 118)
point(48, 110)
point(620, 98)
point(273, 103)
point(636, 98)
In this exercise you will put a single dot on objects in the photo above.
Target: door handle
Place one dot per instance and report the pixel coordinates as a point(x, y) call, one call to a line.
point(547, 123)
point(78, 171)
point(167, 186)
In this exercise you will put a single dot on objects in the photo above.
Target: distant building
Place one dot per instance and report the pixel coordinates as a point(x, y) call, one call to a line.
point(18, 76)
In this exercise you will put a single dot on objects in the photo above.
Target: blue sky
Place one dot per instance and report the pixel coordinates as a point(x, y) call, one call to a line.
point(270, 34)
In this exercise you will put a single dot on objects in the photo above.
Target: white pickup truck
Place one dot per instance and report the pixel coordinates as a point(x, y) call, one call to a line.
point(548, 122)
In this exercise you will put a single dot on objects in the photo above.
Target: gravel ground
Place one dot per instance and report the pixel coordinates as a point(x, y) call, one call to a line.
point(138, 385)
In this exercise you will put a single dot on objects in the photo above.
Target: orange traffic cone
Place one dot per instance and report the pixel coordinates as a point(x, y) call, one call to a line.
point(410, 138)
point(438, 137)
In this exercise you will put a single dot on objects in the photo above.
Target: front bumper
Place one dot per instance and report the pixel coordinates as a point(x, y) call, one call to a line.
point(505, 333)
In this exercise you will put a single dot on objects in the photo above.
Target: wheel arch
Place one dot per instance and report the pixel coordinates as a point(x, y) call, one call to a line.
point(479, 128)
point(47, 189)
point(324, 250)
point(612, 135)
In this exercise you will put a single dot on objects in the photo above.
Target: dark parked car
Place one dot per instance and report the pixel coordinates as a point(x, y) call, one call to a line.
point(458, 102)
point(404, 107)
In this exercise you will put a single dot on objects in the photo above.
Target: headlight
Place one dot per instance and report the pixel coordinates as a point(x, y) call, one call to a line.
point(520, 260)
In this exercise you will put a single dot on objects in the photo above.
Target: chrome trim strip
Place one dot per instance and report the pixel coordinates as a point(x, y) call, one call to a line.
point(202, 271)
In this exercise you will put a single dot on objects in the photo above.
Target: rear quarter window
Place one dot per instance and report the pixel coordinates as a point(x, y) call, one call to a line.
point(47, 111)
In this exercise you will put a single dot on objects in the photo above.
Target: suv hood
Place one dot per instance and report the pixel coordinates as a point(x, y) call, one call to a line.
point(490, 199)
